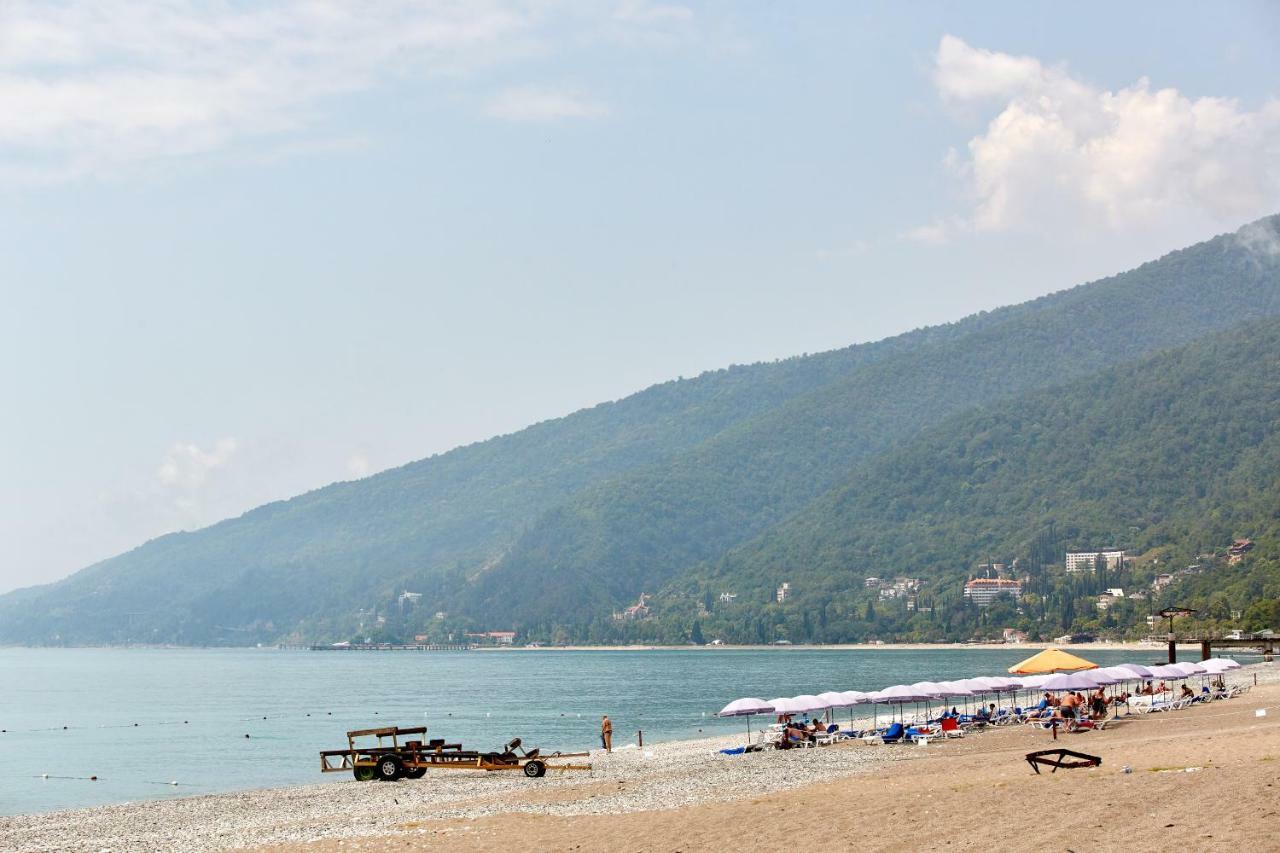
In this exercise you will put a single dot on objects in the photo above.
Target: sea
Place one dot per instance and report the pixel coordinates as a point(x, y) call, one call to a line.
point(87, 727)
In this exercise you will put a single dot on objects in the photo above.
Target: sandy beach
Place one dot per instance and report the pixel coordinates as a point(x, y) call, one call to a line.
point(1199, 778)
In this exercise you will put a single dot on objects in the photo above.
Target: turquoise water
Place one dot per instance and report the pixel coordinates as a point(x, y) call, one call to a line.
point(193, 707)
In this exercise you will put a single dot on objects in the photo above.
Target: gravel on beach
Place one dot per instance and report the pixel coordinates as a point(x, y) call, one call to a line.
point(660, 776)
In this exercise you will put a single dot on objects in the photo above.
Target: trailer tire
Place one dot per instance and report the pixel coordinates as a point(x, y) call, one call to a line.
point(535, 769)
point(363, 772)
point(415, 772)
point(389, 768)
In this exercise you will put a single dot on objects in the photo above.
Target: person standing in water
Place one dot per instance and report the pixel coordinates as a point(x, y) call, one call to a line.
point(606, 734)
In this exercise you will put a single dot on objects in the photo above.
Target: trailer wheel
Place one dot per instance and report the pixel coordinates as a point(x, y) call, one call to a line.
point(363, 772)
point(415, 772)
point(535, 769)
point(389, 768)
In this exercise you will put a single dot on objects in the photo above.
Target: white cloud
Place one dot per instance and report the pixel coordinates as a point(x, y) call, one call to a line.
point(96, 87)
point(933, 234)
point(187, 466)
point(536, 104)
point(358, 465)
point(1061, 150)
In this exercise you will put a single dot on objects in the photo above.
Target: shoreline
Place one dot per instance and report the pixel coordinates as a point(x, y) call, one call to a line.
point(644, 786)
point(1135, 645)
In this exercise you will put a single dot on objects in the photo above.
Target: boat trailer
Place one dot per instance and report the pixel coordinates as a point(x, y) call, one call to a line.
point(404, 753)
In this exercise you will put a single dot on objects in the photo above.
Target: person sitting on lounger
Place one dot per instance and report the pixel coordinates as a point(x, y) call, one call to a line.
point(1146, 690)
point(1186, 693)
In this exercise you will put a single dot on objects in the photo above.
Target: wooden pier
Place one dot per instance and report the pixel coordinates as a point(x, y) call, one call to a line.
point(1266, 646)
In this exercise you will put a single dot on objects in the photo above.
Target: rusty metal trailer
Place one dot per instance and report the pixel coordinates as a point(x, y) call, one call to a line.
point(404, 753)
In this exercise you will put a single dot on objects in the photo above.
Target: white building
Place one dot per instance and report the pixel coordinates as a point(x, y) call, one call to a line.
point(1088, 561)
point(783, 592)
point(983, 591)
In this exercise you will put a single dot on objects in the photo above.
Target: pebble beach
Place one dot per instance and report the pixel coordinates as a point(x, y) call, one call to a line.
point(661, 777)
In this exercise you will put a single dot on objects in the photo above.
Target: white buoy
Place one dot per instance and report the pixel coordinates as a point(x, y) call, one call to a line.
point(175, 782)
point(44, 775)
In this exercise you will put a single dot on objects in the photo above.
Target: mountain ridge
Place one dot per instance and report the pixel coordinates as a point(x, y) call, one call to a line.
point(590, 503)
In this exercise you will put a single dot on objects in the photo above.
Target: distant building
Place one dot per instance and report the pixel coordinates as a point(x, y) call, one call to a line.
point(1115, 591)
point(783, 593)
point(728, 597)
point(1238, 549)
point(407, 597)
point(1160, 581)
point(871, 583)
point(983, 591)
point(1088, 561)
point(501, 638)
point(1105, 601)
point(1012, 635)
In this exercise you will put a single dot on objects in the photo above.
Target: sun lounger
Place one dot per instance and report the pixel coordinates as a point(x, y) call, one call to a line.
point(951, 728)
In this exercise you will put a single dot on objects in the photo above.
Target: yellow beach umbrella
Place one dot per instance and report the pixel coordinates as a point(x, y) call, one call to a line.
point(1051, 660)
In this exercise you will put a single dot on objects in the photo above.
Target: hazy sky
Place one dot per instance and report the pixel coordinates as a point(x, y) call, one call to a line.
point(252, 248)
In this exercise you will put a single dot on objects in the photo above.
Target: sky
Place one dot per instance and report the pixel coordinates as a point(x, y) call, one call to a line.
point(251, 248)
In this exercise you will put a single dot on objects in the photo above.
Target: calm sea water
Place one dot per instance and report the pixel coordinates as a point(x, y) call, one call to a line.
point(193, 707)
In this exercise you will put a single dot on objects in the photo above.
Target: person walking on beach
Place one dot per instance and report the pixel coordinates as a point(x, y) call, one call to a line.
point(606, 734)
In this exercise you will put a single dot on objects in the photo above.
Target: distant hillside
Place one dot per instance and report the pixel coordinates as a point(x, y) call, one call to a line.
point(634, 533)
point(1176, 455)
point(550, 529)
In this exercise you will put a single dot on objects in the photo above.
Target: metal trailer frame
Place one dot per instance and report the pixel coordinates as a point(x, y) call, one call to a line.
point(399, 755)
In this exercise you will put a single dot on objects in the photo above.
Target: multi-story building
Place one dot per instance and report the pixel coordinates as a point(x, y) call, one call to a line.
point(783, 592)
point(983, 591)
point(1088, 561)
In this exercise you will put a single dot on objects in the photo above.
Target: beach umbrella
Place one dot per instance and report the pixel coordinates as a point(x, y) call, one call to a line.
point(956, 688)
point(897, 695)
point(748, 708)
point(1051, 660)
point(783, 705)
point(1189, 668)
point(1035, 682)
point(1139, 670)
point(1069, 681)
point(1217, 665)
point(835, 699)
point(807, 703)
point(854, 697)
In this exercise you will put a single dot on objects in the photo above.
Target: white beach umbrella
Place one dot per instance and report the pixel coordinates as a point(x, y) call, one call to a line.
point(1119, 672)
point(1069, 681)
point(956, 688)
point(747, 707)
point(807, 703)
point(1230, 663)
point(1102, 677)
point(835, 699)
point(1035, 682)
point(783, 705)
point(1217, 665)
point(855, 697)
point(1139, 670)
point(1190, 668)
point(1168, 672)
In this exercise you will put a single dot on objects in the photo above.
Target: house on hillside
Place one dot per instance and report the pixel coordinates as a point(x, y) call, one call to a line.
point(784, 592)
point(1238, 549)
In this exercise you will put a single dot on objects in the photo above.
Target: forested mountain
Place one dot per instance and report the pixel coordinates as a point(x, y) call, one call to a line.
point(550, 529)
point(1171, 458)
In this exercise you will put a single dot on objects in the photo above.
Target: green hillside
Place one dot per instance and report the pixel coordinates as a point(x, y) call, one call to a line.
point(634, 533)
point(1171, 458)
point(550, 529)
